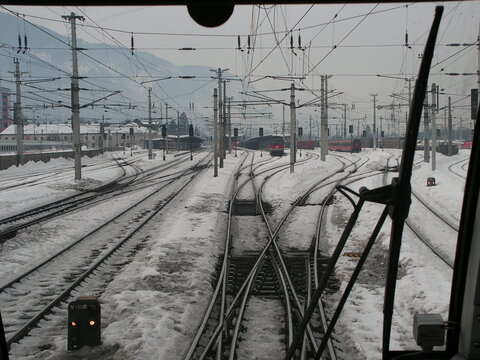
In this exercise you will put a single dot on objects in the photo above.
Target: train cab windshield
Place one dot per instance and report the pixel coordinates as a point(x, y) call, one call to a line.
point(236, 180)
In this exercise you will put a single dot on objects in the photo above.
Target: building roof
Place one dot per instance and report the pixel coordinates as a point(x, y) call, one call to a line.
point(59, 128)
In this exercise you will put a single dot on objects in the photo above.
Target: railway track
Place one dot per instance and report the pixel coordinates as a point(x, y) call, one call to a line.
point(44, 176)
point(464, 163)
point(432, 230)
point(11, 225)
point(101, 253)
point(265, 274)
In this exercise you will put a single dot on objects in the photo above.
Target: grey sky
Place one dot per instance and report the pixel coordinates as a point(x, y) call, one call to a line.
point(375, 46)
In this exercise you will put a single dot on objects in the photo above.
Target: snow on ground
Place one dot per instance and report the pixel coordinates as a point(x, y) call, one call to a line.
point(153, 307)
point(99, 170)
point(267, 339)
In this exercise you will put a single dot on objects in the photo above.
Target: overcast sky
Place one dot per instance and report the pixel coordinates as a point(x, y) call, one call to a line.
point(370, 40)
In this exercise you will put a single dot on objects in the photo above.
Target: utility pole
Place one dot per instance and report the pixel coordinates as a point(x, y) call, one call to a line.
point(449, 126)
point(166, 127)
point(293, 148)
point(283, 123)
point(445, 125)
point(434, 126)
point(327, 132)
point(310, 136)
point(323, 125)
point(344, 121)
point(374, 121)
point(229, 126)
point(215, 119)
point(224, 124)
point(102, 134)
point(77, 148)
point(178, 130)
point(426, 144)
point(220, 115)
point(17, 113)
point(150, 142)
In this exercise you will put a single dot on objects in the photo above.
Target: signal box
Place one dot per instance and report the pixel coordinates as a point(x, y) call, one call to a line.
point(84, 315)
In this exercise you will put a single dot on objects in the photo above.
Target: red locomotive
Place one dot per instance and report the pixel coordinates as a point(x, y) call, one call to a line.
point(277, 147)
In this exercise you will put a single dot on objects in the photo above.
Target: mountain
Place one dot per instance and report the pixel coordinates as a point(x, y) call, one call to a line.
point(106, 69)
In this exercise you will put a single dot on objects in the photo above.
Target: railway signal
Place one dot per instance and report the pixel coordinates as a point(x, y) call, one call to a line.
point(84, 320)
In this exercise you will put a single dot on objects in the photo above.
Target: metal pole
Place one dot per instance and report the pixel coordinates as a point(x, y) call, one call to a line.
point(166, 127)
point(283, 123)
point(326, 115)
point(292, 128)
point(310, 136)
point(102, 133)
point(323, 126)
point(449, 126)
point(434, 127)
point(150, 142)
point(18, 118)
point(77, 148)
point(178, 130)
point(426, 144)
point(220, 116)
point(344, 121)
point(374, 121)
point(215, 115)
point(229, 126)
point(224, 122)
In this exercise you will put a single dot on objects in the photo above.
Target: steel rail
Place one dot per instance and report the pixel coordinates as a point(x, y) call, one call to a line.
point(450, 168)
point(250, 277)
point(223, 271)
point(422, 237)
point(445, 220)
point(25, 329)
point(59, 253)
point(72, 203)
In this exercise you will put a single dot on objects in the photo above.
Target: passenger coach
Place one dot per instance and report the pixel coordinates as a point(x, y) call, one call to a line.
point(353, 145)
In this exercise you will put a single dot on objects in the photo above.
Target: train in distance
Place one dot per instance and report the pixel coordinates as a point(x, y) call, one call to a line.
point(277, 146)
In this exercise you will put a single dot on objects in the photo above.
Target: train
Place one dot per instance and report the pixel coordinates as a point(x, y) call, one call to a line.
point(277, 146)
point(349, 145)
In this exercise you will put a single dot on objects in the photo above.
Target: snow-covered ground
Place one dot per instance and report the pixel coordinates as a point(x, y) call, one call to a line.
point(153, 307)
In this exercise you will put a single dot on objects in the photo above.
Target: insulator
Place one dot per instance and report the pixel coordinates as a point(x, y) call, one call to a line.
point(248, 41)
point(238, 41)
point(132, 45)
point(291, 41)
point(406, 39)
point(19, 43)
point(299, 41)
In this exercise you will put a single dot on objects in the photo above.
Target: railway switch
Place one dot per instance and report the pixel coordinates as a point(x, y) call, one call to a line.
point(84, 321)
